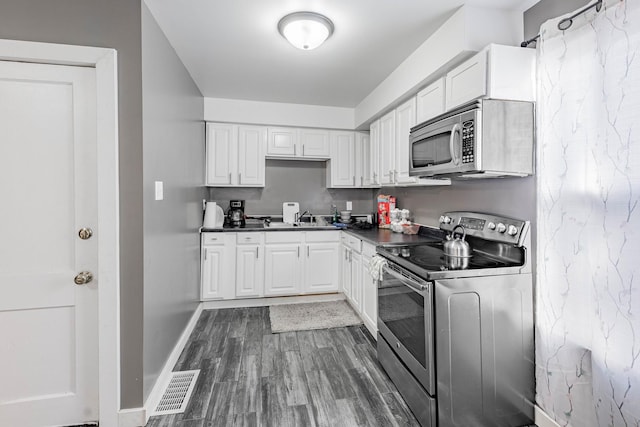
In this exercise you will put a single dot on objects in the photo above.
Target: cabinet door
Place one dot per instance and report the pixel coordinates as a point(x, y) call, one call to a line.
point(218, 271)
point(369, 298)
point(221, 154)
point(314, 143)
point(343, 159)
point(356, 280)
point(387, 148)
point(405, 120)
point(363, 160)
point(249, 271)
point(321, 274)
point(282, 269)
point(281, 142)
point(345, 270)
point(430, 101)
point(251, 158)
point(467, 82)
point(374, 160)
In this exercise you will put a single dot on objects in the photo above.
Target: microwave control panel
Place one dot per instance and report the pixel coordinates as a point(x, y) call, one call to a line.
point(468, 136)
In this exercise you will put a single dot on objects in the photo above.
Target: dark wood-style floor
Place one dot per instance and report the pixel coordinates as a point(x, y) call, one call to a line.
point(252, 377)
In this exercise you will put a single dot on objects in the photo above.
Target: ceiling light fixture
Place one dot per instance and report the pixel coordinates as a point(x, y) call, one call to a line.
point(305, 30)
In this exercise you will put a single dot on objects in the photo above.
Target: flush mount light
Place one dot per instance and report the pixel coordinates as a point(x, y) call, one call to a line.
point(305, 30)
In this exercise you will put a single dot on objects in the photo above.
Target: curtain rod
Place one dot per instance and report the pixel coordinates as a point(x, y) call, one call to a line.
point(566, 23)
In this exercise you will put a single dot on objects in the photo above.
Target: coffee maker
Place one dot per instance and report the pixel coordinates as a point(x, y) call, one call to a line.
point(235, 214)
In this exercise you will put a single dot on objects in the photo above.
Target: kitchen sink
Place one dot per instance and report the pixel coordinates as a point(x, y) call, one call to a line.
point(299, 225)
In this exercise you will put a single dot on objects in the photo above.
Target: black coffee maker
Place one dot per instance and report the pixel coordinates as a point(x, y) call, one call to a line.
point(235, 214)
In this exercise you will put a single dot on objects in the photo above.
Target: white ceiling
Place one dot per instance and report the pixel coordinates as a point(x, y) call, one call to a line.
point(233, 49)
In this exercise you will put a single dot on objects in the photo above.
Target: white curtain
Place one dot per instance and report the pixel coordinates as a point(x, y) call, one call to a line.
point(588, 269)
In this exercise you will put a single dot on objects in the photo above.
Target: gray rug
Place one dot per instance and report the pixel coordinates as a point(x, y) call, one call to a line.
point(314, 315)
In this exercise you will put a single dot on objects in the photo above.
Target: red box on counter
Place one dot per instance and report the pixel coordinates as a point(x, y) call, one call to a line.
point(385, 205)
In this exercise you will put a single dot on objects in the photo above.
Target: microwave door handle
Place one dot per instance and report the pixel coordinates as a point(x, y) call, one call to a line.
point(452, 143)
point(405, 280)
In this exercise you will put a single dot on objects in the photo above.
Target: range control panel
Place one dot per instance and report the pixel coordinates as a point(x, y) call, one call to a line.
point(486, 226)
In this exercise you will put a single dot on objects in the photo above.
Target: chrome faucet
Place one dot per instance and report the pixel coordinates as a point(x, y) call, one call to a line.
point(298, 216)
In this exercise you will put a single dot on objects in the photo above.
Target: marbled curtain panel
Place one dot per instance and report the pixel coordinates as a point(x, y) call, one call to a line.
point(588, 273)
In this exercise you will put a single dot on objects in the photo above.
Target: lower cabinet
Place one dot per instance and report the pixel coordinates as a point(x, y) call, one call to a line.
point(369, 312)
point(249, 265)
point(218, 265)
point(258, 264)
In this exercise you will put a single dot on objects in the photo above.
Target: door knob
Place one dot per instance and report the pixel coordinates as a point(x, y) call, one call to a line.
point(85, 233)
point(83, 278)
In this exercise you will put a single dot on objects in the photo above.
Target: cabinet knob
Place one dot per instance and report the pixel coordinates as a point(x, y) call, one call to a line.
point(83, 278)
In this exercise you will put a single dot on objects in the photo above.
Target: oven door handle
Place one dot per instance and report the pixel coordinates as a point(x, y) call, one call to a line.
point(411, 283)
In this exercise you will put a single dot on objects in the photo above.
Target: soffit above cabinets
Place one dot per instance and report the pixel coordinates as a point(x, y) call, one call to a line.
point(233, 49)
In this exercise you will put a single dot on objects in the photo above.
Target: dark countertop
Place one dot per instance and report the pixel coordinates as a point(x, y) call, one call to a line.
point(384, 236)
point(375, 236)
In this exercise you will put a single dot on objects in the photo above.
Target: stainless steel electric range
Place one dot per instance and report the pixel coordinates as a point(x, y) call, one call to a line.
point(455, 334)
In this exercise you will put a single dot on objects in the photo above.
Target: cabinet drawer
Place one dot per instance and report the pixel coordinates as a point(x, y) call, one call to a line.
point(213, 239)
point(352, 242)
point(368, 249)
point(322, 236)
point(284, 237)
point(249, 238)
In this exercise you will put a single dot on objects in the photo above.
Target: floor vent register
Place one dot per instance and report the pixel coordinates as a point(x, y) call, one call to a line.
point(177, 392)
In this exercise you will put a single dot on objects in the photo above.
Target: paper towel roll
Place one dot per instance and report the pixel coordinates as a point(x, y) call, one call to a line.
point(213, 216)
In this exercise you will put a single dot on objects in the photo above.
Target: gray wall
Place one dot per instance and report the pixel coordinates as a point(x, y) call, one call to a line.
point(113, 24)
point(547, 9)
point(294, 181)
point(173, 141)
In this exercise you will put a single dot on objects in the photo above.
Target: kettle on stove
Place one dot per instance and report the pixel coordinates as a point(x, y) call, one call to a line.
point(456, 250)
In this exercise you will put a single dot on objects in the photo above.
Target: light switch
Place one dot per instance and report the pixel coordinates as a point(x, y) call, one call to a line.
point(349, 205)
point(159, 190)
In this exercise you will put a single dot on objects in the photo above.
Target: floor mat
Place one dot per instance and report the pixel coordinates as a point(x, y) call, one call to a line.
point(316, 315)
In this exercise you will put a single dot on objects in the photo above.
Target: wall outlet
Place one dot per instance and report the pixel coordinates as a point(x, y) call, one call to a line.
point(349, 205)
point(159, 190)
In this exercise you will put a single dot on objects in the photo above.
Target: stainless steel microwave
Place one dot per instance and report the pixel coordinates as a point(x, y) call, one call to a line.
point(487, 138)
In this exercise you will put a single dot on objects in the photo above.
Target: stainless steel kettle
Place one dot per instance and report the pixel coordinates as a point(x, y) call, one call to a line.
point(455, 246)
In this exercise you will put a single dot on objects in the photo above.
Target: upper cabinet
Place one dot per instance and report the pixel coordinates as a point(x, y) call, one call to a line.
point(292, 143)
point(499, 72)
point(351, 164)
point(430, 101)
point(235, 155)
point(405, 120)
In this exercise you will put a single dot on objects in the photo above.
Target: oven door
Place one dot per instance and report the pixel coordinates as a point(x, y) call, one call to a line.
point(405, 321)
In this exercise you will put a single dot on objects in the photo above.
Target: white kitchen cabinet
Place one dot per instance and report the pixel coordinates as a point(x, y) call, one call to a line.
point(314, 143)
point(249, 265)
point(366, 175)
point(283, 263)
point(351, 270)
point(235, 155)
point(218, 265)
point(374, 156)
point(387, 148)
point(298, 143)
point(321, 262)
point(405, 120)
point(342, 165)
point(499, 72)
point(369, 311)
point(345, 270)
point(355, 296)
point(282, 142)
point(430, 101)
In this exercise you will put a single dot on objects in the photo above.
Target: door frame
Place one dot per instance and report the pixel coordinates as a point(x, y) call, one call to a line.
point(105, 63)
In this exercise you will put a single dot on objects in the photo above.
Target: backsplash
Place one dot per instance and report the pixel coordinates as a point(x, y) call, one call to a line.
point(295, 181)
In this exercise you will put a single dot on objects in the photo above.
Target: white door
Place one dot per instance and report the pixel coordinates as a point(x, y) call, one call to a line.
point(251, 163)
point(282, 142)
point(282, 269)
point(48, 186)
point(315, 143)
point(356, 280)
point(343, 159)
point(249, 271)
point(405, 120)
point(320, 274)
point(222, 154)
point(387, 138)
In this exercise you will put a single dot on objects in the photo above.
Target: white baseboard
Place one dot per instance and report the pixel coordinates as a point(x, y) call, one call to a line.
point(131, 417)
point(163, 378)
point(542, 419)
point(261, 302)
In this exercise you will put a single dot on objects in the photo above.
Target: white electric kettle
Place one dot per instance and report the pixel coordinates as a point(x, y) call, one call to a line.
point(213, 216)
